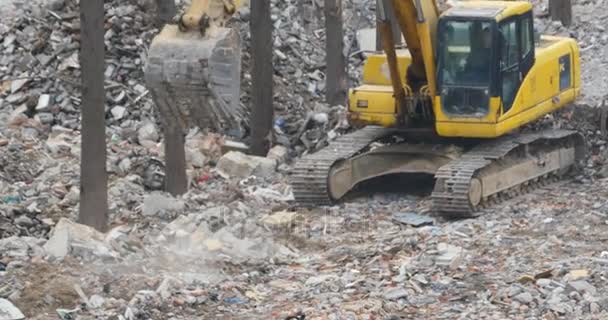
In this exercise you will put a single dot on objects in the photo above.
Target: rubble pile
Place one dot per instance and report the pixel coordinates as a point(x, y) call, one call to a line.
point(302, 121)
point(234, 247)
point(40, 69)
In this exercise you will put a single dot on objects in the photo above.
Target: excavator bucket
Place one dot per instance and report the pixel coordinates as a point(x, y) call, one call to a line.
point(194, 78)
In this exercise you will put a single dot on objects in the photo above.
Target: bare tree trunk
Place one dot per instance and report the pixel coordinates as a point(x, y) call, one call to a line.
point(93, 176)
point(176, 180)
point(334, 49)
point(561, 10)
point(394, 25)
point(261, 74)
point(166, 10)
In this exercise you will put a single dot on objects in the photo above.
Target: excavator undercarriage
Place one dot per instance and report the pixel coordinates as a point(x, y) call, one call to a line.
point(469, 176)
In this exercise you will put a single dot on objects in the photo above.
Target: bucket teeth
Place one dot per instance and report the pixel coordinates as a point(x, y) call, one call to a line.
point(195, 80)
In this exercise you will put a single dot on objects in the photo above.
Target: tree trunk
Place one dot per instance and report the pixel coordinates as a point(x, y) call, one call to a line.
point(561, 10)
point(334, 49)
point(93, 176)
point(176, 180)
point(261, 76)
point(166, 10)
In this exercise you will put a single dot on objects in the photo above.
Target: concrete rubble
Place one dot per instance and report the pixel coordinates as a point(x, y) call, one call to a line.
point(239, 165)
point(9, 312)
point(234, 246)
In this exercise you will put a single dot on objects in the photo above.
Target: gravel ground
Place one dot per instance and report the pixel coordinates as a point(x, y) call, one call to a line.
point(235, 247)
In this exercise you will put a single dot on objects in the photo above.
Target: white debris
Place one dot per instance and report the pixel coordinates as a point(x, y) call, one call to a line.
point(158, 204)
point(70, 238)
point(118, 112)
point(8, 311)
point(44, 102)
point(278, 153)
point(239, 165)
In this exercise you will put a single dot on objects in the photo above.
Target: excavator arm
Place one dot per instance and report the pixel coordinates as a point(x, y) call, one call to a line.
point(418, 22)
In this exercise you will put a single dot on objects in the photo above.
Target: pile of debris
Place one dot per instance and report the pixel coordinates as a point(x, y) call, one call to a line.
point(302, 122)
point(40, 69)
point(233, 247)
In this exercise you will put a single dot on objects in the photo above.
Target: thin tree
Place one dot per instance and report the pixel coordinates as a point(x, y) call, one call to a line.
point(261, 75)
point(335, 78)
point(561, 10)
point(93, 176)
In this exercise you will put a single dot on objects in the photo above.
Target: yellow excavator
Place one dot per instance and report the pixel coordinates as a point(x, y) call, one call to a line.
point(454, 105)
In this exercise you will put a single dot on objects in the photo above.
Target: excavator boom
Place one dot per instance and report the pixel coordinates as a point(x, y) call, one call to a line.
point(418, 22)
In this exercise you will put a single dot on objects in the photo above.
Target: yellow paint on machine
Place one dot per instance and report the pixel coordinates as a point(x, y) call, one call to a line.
point(539, 94)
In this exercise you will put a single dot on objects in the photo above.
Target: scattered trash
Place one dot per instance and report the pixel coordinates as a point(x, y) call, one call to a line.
point(280, 219)
point(66, 314)
point(342, 261)
point(526, 279)
point(579, 274)
point(235, 300)
point(11, 199)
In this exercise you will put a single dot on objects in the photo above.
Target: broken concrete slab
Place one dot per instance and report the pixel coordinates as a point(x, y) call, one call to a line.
point(118, 112)
point(413, 219)
point(147, 132)
point(239, 165)
point(21, 247)
point(236, 164)
point(17, 84)
point(278, 153)
point(70, 238)
point(159, 204)
point(579, 274)
point(366, 39)
point(44, 103)
point(8, 311)
point(449, 255)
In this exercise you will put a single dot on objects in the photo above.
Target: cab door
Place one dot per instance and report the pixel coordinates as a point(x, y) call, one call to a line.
point(516, 55)
point(526, 38)
point(509, 62)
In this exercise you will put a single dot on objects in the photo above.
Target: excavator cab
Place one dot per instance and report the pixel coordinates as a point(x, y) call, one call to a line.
point(482, 71)
point(492, 76)
point(465, 61)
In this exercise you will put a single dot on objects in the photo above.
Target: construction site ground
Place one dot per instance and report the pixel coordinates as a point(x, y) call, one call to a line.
point(235, 246)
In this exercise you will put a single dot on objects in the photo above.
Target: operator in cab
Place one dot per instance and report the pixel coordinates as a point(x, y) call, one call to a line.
point(477, 67)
